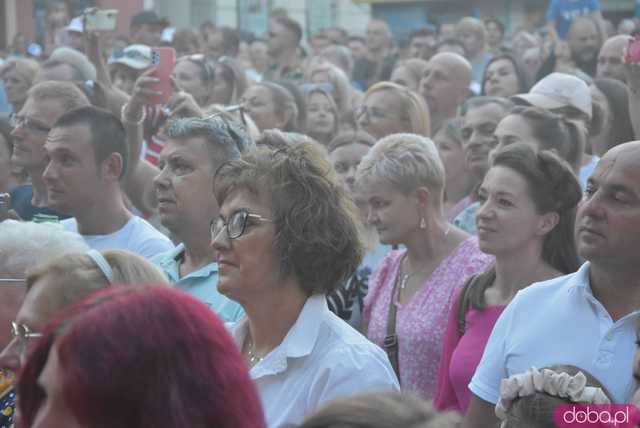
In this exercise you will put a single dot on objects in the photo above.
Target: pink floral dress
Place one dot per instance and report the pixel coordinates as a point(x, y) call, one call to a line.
point(421, 322)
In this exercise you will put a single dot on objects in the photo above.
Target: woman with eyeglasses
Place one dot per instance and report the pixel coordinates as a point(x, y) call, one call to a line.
point(288, 234)
point(388, 108)
point(55, 285)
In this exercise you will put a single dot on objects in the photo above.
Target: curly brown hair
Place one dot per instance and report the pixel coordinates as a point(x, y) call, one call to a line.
point(317, 225)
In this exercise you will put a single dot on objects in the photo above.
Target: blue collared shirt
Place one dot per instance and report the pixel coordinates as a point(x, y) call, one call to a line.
point(201, 284)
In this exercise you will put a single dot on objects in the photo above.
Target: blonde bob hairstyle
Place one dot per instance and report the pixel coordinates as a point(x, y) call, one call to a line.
point(406, 161)
point(74, 276)
point(413, 107)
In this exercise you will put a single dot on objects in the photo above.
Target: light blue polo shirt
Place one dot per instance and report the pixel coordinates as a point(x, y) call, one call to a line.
point(201, 284)
point(559, 321)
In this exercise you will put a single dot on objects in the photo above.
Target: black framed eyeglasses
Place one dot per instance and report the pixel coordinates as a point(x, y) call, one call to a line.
point(16, 121)
point(236, 225)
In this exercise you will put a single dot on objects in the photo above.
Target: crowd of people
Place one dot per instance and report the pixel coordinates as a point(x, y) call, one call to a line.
point(346, 232)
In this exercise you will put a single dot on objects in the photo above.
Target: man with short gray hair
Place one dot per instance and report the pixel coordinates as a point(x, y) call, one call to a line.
point(194, 151)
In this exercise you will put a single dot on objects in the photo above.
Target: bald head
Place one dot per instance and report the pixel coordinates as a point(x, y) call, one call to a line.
point(608, 220)
point(630, 151)
point(610, 57)
point(378, 35)
point(445, 84)
point(583, 39)
point(457, 66)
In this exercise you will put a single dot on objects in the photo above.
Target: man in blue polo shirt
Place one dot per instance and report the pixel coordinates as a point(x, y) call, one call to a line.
point(587, 319)
point(184, 191)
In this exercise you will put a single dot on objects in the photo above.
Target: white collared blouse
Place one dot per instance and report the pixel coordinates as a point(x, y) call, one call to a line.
point(320, 359)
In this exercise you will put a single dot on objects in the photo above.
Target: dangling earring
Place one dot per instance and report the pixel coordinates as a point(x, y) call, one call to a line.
point(423, 223)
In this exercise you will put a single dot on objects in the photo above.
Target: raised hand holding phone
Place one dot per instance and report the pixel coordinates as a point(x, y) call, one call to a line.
point(163, 60)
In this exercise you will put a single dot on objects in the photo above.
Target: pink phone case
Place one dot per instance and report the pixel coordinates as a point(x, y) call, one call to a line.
point(163, 59)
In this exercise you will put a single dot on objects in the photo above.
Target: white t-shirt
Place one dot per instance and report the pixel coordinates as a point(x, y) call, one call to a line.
point(559, 321)
point(320, 359)
point(136, 236)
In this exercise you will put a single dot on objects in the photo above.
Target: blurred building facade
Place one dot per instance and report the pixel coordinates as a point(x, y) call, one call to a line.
point(25, 16)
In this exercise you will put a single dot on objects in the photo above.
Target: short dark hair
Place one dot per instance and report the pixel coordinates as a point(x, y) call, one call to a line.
point(317, 224)
point(290, 25)
point(107, 133)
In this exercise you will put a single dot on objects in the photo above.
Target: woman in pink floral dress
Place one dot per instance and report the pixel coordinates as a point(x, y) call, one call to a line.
point(402, 180)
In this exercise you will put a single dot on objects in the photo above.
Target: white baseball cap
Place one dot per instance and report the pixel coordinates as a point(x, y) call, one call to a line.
point(559, 90)
point(75, 25)
point(134, 56)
